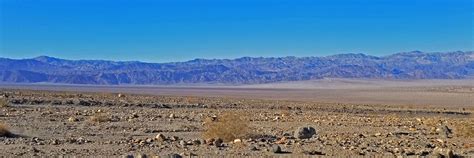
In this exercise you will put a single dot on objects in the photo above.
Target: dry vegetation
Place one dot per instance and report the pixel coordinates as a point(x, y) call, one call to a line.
point(99, 118)
point(465, 129)
point(228, 126)
point(3, 102)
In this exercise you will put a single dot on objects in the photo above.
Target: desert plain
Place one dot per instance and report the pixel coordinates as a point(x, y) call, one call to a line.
point(330, 117)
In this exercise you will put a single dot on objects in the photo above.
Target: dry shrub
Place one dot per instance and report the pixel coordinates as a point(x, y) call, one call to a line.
point(285, 113)
point(464, 129)
point(99, 117)
point(228, 126)
point(392, 117)
point(4, 132)
point(3, 103)
point(432, 122)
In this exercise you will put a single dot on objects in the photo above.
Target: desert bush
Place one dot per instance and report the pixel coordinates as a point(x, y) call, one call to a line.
point(228, 126)
point(99, 117)
point(285, 113)
point(432, 122)
point(4, 132)
point(464, 129)
point(3, 103)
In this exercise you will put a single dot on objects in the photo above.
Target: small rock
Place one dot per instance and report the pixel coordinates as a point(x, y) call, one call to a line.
point(120, 95)
point(443, 152)
point(214, 117)
point(276, 118)
point(174, 138)
point(149, 140)
point(422, 152)
point(410, 152)
point(182, 143)
point(34, 150)
point(440, 141)
point(196, 142)
point(81, 140)
point(444, 131)
point(314, 152)
point(55, 142)
point(276, 148)
point(189, 143)
point(400, 133)
point(210, 141)
point(174, 156)
point(237, 141)
point(305, 132)
point(286, 134)
point(160, 137)
point(397, 150)
point(128, 156)
point(141, 156)
point(72, 119)
point(432, 130)
point(218, 142)
point(253, 148)
point(353, 147)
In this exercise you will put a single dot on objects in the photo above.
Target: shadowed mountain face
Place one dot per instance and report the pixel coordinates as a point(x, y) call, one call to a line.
point(246, 70)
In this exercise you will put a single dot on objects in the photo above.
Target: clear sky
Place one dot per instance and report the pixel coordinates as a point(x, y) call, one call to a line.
point(179, 30)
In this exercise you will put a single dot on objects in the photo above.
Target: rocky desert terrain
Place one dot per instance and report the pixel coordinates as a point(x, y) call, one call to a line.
point(62, 123)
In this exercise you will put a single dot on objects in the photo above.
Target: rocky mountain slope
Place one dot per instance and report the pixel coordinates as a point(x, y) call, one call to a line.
point(246, 70)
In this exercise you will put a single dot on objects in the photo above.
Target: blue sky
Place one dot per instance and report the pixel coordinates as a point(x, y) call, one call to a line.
point(179, 30)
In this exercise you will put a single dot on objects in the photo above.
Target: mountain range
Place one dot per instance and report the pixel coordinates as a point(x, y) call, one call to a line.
point(245, 70)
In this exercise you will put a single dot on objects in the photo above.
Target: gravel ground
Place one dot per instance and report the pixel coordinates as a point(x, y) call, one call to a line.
point(47, 123)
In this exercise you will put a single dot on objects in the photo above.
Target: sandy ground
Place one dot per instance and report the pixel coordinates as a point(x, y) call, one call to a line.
point(443, 93)
point(383, 121)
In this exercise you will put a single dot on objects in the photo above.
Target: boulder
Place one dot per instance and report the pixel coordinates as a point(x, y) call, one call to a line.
point(276, 148)
point(304, 132)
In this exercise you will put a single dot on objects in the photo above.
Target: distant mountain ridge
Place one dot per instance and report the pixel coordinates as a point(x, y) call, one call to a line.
point(245, 70)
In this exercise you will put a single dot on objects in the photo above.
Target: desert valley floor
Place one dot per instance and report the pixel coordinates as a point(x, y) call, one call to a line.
point(350, 118)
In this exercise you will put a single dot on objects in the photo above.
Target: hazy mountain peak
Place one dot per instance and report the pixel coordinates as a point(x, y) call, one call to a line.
point(46, 59)
point(351, 55)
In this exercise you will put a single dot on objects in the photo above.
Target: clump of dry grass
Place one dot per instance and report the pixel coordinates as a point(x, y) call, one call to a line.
point(285, 113)
point(99, 118)
point(4, 103)
point(432, 122)
point(228, 126)
point(464, 129)
point(4, 132)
